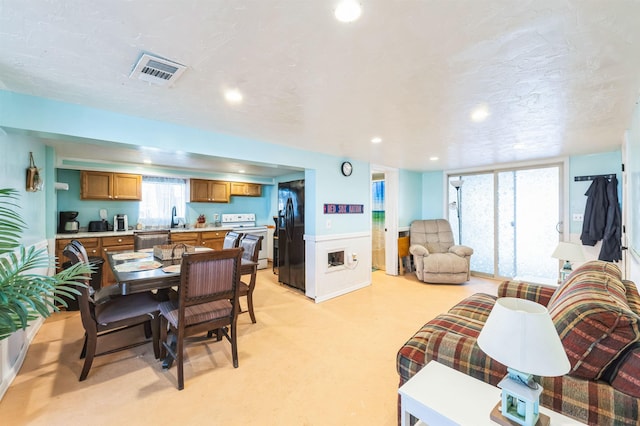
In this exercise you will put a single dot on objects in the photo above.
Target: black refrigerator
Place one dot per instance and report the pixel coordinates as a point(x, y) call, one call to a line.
point(291, 233)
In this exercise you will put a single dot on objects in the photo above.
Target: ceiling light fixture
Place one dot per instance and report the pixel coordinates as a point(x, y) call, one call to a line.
point(146, 161)
point(376, 140)
point(434, 158)
point(241, 171)
point(348, 11)
point(480, 113)
point(233, 96)
point(519, 145)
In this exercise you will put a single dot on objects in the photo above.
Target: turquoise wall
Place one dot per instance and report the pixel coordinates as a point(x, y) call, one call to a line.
point(14, 160)
point(433, 198)
point(324, 182)
point(410, 197)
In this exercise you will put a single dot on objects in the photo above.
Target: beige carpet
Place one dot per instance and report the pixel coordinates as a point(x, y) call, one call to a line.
point(302, 364)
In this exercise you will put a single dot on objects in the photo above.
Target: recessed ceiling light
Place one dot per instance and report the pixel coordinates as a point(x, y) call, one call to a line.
point(434, 158)
point(348, 11)
point(233, 96)
point(146, 161)
point(519, 145)
point(241, 171)
point(480, 113)
point(376, 140)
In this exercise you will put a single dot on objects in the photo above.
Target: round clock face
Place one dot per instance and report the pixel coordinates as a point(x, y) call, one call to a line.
point(347, 168)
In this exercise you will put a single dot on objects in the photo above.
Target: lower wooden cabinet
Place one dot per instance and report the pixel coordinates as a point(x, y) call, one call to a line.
point(100, 246)
point(91, 245)
point(212, 239)
point(110, 244)
point(191, 238)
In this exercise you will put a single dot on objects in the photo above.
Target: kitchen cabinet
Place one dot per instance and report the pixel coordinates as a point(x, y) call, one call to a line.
point(91, 245)
point(209, 191)
point(246, 189)
point(212, 239)
point(109, 244)
point(110, 186)
point(191, 238)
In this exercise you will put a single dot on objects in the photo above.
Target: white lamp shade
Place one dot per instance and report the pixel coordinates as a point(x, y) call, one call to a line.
point(519, 333)
point(568, 251)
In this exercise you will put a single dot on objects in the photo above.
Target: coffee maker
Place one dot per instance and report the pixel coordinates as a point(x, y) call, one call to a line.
point(68, 223)
point(120, 222)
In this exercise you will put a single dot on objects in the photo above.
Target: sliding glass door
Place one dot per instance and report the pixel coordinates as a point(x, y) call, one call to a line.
point(510, 219)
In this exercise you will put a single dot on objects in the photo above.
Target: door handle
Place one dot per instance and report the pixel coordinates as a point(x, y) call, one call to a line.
point(558, 227)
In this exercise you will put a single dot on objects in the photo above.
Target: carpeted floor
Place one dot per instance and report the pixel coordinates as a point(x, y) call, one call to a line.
point(303, 363)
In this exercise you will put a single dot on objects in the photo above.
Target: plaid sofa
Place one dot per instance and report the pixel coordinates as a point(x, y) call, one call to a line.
point(597, 316)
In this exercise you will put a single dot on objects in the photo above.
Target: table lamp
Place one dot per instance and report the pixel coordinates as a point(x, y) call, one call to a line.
point(519, 333)
point(569, 252)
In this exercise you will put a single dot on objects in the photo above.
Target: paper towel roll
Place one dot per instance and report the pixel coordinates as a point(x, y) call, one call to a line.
point(61, 186)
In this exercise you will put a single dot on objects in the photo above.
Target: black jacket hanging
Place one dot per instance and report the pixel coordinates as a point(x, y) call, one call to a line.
point(595, 212)
point(612, 239)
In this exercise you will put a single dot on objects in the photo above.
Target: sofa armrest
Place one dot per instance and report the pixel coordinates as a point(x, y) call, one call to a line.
point(461, 251)
point(462, 353)
point(538, 293)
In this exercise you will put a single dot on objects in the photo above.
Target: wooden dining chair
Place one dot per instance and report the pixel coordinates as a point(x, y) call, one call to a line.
point(113, 315)
point(207, 300)
point(148, 239)
point(251, 245)
point(231, 240)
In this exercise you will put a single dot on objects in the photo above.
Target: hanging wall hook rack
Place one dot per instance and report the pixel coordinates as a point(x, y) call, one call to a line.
point(592, 177)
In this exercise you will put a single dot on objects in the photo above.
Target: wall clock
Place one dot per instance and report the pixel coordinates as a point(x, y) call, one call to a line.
point(347, 168)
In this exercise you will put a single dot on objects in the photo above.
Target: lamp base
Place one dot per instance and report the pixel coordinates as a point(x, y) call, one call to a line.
point(496, 416)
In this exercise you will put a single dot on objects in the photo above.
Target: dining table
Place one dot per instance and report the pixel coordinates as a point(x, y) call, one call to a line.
point(140, 271)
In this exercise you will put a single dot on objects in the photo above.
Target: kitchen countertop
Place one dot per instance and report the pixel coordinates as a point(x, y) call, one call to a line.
point(86, 234)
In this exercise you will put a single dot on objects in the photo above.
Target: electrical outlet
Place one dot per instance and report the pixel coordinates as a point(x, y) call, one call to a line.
point(354, 257)
point(578, 217)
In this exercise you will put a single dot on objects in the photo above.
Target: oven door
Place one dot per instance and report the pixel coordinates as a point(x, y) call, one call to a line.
point(260, 232)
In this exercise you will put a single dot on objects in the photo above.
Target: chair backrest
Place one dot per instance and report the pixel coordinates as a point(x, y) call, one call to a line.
point(434, 234)
point(148, 239)
point(231, 240)
point(251, 245)
point(80, 247)
point(209, 276)
point(85, 303)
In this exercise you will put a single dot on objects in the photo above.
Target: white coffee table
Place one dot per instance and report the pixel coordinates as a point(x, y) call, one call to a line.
point(439, 395)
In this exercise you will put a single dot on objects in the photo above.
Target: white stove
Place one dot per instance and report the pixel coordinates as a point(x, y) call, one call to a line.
point(245, 223)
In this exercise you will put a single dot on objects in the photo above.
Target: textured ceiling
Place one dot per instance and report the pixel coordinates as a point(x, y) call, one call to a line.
point(559, 77)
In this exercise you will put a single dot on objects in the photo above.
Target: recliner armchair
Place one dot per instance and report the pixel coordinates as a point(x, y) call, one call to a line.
point(436, 258)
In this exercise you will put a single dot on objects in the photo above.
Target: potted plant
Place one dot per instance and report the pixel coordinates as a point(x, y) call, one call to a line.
point(25, 294)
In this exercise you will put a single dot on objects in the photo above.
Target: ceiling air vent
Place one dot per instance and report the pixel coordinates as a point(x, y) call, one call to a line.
point(155, 70)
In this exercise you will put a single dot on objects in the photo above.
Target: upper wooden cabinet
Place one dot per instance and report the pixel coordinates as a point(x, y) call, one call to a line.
point(209, 191)
point(110, 186)
point(246, 189)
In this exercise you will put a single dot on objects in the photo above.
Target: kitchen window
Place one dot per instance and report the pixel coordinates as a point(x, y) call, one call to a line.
point(159, 196)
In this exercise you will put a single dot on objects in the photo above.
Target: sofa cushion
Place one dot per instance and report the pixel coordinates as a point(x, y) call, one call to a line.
point(625, 374)
point(592, 317)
